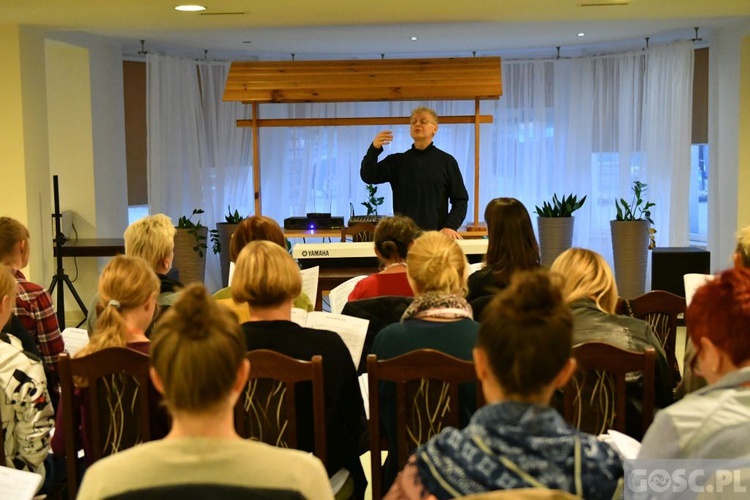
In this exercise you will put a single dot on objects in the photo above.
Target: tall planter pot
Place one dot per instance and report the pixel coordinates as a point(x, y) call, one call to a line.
point(630, 249)
point(225, 230)
point(190, 265)
point(555, 236)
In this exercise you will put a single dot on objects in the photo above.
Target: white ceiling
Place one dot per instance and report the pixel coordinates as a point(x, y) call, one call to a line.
point(316, 29)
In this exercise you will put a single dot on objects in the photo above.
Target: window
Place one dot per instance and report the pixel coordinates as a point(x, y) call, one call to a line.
point(698, 194)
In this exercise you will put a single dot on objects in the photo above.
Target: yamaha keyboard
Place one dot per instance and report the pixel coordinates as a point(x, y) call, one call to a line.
point(356, 254)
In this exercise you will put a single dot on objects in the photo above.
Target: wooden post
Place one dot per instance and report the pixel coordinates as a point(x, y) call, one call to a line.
point(256, 157)
point(475, 224)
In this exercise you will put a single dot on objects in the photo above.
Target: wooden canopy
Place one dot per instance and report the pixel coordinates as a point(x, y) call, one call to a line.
point(262, 82)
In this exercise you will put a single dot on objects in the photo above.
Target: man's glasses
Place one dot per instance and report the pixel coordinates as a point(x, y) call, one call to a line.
point(421, 121)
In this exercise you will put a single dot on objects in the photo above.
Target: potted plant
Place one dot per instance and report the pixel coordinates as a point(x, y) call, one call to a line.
point(190, 246)
point(555, 225)
point(373, 201)
point(221, 238)
point(632, 237)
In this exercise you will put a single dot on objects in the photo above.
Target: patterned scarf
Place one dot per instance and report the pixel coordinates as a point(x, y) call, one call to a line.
point(438, 305)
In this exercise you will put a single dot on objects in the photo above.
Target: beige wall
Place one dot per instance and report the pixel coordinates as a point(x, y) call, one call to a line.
point(71, 153)
point(743, 177)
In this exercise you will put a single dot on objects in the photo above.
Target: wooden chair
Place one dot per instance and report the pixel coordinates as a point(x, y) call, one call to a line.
point(660, 309)
point(596, 397)
point(266, 411)
point(361, 231)
point(116, 405)
point(427, 383)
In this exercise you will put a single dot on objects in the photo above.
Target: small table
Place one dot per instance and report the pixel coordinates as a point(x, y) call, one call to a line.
point(98, 247)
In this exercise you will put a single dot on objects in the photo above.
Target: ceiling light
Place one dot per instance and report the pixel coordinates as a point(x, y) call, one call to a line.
point(190, 8)
point(413, 39)
point(581, 34)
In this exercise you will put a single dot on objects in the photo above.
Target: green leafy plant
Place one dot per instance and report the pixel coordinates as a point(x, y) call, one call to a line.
point(229, 218)
point(373, 202)
point(234, 217)
point(560, 207)
point(193, 228)
point(637, 209)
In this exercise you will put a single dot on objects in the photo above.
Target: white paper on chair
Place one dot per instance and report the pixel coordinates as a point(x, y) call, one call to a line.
point(364, 388)
point(74, 339)
point(339, 296)
point(693, 282)
point(352, 331)
point(18, 484)
point(310, 282)
point(231, 272)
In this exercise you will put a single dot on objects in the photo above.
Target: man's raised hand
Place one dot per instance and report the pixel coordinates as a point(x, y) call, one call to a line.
point(384, 137)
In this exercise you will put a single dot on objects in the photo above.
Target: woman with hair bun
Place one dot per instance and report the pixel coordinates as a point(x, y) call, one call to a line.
point(127, 293)
point(517, 441)
point(393, 237)
point(712, 422)
point(439, 318)
point(198, 363)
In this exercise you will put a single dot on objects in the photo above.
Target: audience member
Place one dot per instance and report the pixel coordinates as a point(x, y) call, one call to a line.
point(26, 414)
point(33, 304)
point(692, 381)
point(255, 228)
point(517, 440)
point(713, 422)
point(127, 293)
point(511, 247)
point(198, 364)
point(439, 318)
point(591, 293)
point(268, 279)
point(393, 237)
point(152, 239)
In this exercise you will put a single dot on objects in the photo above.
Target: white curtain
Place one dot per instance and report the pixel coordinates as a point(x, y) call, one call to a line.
point(197, 156)
point(588, 126)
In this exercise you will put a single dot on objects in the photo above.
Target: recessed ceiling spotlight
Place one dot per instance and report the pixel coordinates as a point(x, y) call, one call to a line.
point(581, 34)
point(413, 39)
point(190, 8)
point(248, 41)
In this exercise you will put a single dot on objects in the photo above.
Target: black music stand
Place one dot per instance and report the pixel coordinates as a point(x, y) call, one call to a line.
point(60, 277)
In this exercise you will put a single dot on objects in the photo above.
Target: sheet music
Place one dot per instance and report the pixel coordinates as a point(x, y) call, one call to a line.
point(351, 330)
point(18, 484)
point(476, 267)
point(364, 388)
point(693, 282)
point(74, 339)
point(310, 282)
point(339, 296)
point(231, 272)
point(626, 445)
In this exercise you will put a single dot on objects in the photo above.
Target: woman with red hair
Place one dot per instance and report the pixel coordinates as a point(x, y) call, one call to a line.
point(713, 422)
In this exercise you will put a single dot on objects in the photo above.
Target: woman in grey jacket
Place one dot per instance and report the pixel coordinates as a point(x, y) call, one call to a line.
point(591, 293)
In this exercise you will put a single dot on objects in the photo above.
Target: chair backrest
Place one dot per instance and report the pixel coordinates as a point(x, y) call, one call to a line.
point(115, 404)
point(266, 411)
point(660, 309)
point(596, 396)
point(361, 231)
point(427, 386)
point(380, 312)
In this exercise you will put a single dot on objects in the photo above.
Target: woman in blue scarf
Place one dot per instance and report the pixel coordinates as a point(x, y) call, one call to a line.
point(517, 440)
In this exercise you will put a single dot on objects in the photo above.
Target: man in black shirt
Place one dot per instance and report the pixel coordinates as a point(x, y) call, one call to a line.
point(424, 179)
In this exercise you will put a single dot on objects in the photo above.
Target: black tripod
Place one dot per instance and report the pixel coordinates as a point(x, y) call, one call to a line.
point(60, 277)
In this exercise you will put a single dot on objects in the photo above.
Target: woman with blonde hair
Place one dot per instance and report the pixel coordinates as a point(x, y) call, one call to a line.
point(127, 293)
point(33, 304)
point(439, 318)
point(255, 228)
point(591, 293)
point(267, 279)
point(393, 237)
point(198, 363)
point(26, 414)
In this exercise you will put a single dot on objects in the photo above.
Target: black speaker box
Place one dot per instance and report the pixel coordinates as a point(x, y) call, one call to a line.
point(670, 264)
